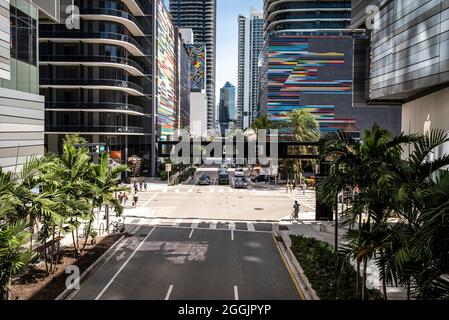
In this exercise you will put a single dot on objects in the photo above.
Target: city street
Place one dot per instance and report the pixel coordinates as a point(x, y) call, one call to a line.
point(200, 242)
point(187, 263)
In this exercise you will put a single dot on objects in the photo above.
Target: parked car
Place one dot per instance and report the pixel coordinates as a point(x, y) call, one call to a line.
point(241, 183)
point(223, 178)
point(239, 173)
point(260, 178)
point(204, 180)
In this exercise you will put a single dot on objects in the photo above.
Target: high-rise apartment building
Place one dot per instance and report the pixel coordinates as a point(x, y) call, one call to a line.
point(200, 16)
point(21, 106)
point(112, 78)
point(308, 64)
point(250, 46)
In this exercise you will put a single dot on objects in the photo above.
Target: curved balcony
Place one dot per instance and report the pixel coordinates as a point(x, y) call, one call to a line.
point(94, 130)
point(109, 107)
point(69, 36)
point(131, 66)
point(98, 84)
point(122, 17)
point(135, 7)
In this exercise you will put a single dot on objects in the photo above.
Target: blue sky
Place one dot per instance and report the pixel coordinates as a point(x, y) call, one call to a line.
point(227, 37)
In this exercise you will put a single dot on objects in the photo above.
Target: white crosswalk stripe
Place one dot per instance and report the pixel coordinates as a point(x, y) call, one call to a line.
point(250, 227)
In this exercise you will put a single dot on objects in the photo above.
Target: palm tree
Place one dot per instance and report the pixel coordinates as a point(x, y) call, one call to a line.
point(106, 182)
point(13, 235)
point(262, 122)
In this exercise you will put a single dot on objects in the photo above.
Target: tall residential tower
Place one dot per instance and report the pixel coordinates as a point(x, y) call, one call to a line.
point(250, 46)
point(200, 16)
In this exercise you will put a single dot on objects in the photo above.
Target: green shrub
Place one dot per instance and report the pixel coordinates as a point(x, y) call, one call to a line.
point(317, 258)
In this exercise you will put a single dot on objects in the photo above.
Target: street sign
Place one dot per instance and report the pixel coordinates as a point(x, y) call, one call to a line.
point(168, 167)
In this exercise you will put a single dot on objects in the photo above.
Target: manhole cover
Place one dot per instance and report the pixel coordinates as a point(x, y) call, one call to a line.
point(258, 209)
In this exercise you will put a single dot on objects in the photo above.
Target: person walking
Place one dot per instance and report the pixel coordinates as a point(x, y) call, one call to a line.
point(135, 199)
point(296, 209)
point(145, 186)
point(141, 186)
point(125, 198)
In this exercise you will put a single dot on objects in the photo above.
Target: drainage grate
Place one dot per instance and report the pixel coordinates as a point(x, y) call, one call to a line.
point(259, 209)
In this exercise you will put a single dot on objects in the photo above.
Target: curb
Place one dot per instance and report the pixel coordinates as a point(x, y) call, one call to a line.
point(296, 271)
point(94, 266)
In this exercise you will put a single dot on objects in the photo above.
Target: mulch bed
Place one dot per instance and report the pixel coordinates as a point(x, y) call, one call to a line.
point(38, 285)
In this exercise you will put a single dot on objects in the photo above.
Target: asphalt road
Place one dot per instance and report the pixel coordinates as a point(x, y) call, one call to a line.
point(170, 263)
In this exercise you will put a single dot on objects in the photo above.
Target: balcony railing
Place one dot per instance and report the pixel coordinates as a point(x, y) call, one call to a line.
point(94, 129)
point(92, 105)
point(93, 58)
point(70, 34)
point(94, 82)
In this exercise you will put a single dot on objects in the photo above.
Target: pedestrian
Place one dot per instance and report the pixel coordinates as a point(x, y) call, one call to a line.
point(145, 186)
point(141, 186)
point(294, 185)
point(135, 199)
point(120, 197)
point(125, 198)
point(287, 186)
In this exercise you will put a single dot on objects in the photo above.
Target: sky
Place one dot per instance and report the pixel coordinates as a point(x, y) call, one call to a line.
point(227, 38)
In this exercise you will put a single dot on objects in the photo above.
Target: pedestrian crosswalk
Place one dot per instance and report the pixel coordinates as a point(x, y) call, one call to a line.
point(249, 226)
point(307, 199)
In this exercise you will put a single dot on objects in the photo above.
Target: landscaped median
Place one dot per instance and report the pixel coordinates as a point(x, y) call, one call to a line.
point(318, 260)
point(37, 284)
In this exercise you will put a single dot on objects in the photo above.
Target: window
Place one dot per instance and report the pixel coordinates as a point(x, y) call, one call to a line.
point(23, 37)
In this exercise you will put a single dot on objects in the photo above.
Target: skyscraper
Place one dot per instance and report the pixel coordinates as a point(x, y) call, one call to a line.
point(101, 79)
point(250, 46)
point(227, 107)
point(200, 16)
point(308, 64)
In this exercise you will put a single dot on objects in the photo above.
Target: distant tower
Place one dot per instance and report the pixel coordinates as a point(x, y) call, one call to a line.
point(200, 16)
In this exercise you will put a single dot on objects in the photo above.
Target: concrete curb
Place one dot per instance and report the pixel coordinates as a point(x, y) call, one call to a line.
point(296, 269)
point(94, 266)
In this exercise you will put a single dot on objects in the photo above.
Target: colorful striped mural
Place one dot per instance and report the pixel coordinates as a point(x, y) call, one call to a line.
point(295, 73)
point(166, 108)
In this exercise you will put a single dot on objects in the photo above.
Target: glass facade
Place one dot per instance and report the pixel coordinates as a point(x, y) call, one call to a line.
point(98, 81)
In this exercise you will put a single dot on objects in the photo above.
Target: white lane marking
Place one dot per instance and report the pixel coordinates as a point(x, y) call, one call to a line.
point(212, 190)
point(177, 222)
point(236, 292)
point(134, 229)
point(213, 224)
point(231, 190)
point(170, 289)
point(232, 234)
point(232, 225)
point(191, 233)
point(251, 227)
point(155, 222)
point(164, 190)
point(195, 224)
point(124, 265)
point(190, 190)
point(151, 199)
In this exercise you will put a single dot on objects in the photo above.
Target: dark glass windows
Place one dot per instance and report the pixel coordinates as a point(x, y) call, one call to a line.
point(23, 36)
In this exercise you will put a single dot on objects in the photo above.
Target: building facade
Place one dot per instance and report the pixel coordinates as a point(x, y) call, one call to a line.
point(308, 62)
point(250, 46)
point(409, 59)
point(243, 73)
point(22, 108)
point(101, 78)
point(183, 83)
point(200, 16)
point(227, 106)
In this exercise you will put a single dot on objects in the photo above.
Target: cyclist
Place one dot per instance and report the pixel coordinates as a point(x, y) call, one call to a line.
point(296, 208)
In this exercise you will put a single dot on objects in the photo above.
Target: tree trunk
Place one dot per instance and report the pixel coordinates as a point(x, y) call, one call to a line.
point(87, 235)
point(357, 281)
point(365, 265)
point(384, 283)
point(58, 248)
point(74, 244)
point(45, 255)
point(52, 248)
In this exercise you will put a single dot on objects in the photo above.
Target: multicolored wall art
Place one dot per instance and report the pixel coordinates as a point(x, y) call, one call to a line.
point(312, 73)
point(197, 54)
point(166, 73)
